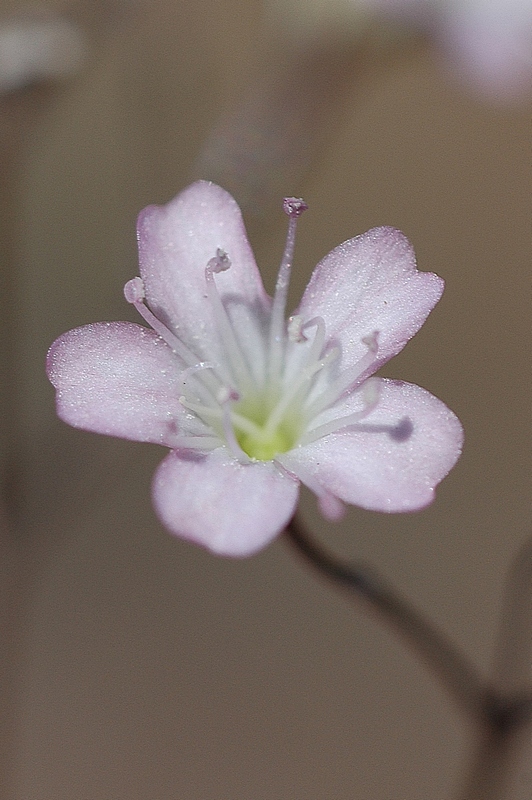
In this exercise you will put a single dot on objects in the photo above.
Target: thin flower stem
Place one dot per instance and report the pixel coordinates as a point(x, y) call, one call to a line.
point(458, 676)
point(500, 715)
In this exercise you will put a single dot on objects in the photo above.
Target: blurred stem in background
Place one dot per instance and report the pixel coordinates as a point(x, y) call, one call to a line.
point(313, 56)
point(500, 710)
point(40, 51)
point(316, 53)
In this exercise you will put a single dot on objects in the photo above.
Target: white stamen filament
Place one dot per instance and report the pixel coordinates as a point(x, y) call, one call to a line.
point(294, 329)
point(202, 443)
point(220, 263)
point(348, 379)
point(229, 431)
point(132, 292)
point(303, 380)
point(370, 397)
point(217, 414)
point(314, 352)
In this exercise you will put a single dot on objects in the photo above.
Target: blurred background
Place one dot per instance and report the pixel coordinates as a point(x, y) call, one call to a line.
point(137, 666)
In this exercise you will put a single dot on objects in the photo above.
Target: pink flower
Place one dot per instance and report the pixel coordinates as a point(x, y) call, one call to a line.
point(487, 41)
point(251, 405)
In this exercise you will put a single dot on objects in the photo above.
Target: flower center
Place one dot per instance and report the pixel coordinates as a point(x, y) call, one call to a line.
point(263, 446)
point(261, 440)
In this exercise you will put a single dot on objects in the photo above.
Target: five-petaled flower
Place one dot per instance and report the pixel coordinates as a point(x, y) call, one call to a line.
point(252, 405)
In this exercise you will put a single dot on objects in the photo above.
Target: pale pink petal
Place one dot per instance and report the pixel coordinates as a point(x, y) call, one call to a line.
point(176, 242)
point(230, 508)
point(393, 459)
point(119, 379)
point(370, 284)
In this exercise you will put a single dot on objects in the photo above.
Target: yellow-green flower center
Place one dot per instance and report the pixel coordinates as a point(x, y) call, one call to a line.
point(264, 446)
point(260, 434)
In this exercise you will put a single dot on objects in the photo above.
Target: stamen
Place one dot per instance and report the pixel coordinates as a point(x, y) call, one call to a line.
point(225, 394)
point(299, 358)
point(348, 379)
point(293, 207)
point(208, 414)
point(311, 364)
point(135, 294)
point(295, 330)
point(229, 431)
point(134, 291)
point(314, 352)
point(370, 390)
point(202, 411)
point(221, 263)
point(319, 337)
point(400, 432)
point(207, 395)
point(201, 443)
point(304, 377)
point(372, 341)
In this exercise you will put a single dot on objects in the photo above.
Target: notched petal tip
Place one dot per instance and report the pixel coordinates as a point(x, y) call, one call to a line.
point(367, 284)
point(392, 461)
point(177, 242)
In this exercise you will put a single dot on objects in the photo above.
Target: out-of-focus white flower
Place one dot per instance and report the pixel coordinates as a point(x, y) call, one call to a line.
point(38, 47)
point(488, 42)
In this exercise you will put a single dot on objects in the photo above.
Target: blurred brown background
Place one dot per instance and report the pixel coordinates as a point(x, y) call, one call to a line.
point(140, 667)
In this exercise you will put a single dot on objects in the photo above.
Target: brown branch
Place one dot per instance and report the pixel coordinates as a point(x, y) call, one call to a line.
point(500, 714)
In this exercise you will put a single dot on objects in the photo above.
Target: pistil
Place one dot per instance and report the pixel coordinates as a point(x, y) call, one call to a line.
point(293, 207)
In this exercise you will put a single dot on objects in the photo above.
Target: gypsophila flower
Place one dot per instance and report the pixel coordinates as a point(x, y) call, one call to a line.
point(252, 405)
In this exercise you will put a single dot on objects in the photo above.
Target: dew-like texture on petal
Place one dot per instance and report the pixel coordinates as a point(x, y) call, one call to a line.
point(370, 284)
point(230, 508)
point(393, 459)
point(176, 242)
point(119, 379)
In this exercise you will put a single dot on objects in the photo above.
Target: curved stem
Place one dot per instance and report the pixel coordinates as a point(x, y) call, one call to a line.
point(500, 715)
point(454, 671)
